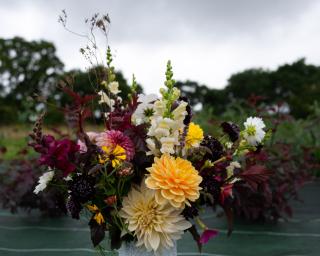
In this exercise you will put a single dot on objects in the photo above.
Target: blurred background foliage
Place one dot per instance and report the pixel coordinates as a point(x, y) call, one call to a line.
point(31, 78)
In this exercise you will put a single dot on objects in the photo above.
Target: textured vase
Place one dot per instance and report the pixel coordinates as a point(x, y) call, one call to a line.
point(129, 249)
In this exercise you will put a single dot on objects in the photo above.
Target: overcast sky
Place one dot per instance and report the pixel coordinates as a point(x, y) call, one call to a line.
point(206, 41)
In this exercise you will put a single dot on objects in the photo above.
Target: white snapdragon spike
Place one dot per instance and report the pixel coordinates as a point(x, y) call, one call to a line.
point(114, 87)
point(43, 181)
point(152, 147)
point(159, 108)
point(180, 112)
point(105, 99)
point(166, 131)
point(145, 109)
point(254, 132)
point(168, 143)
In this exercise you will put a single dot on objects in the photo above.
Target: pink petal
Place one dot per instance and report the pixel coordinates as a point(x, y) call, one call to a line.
point(207, 235)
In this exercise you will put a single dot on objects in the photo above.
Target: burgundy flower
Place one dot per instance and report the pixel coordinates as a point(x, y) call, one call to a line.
point(58, 154)
point(226, 192)
point(207, 235)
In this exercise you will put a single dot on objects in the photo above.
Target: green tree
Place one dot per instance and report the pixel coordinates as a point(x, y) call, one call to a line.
point(27, 68)
point(297, 84)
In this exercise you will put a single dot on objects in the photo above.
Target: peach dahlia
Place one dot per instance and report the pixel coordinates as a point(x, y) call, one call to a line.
point(175, 180)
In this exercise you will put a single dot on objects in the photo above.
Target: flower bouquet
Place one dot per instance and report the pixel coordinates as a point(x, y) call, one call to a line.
point(145, 178)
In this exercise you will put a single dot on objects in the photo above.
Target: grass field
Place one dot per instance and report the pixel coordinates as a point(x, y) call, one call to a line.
point(14, 138)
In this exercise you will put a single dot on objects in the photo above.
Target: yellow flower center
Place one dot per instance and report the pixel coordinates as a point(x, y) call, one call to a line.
point(251, 130)
point(147, 218)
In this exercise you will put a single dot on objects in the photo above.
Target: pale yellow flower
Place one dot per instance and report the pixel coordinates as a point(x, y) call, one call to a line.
point(155, 226)
point(175, 180)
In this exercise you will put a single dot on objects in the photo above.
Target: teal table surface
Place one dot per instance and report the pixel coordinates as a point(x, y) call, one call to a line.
point(29, 234)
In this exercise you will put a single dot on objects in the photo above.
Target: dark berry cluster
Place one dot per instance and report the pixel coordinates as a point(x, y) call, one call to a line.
point(231, 129)
point(214, 146)
point(82, 188)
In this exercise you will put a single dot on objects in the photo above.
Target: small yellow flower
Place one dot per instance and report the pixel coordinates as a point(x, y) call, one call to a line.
point(114, 154)
point(98, 217)
point(194, 136)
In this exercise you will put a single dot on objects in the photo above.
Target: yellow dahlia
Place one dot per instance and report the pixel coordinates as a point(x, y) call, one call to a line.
point(175, 180)
point(155, 226)
point(194, 136)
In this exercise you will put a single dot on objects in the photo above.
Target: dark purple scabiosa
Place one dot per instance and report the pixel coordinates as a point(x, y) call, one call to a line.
point(189, 212)
point(214, 146)
point(74, 207)
point(232, 130)
point(82, 188)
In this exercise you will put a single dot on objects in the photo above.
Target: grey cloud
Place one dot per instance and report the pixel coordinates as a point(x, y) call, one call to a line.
point(171, 20)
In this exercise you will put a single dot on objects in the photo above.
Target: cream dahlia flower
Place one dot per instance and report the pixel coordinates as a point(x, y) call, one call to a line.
point(175, 180)
point(155, 226)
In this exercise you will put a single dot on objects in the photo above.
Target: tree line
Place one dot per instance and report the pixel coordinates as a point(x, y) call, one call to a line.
point(30, 71)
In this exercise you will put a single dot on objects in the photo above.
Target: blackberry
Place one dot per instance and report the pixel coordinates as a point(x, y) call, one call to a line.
point(190, 211)
point(232, 130)
point(74, 208)
point(215, 147)
point(82, 188)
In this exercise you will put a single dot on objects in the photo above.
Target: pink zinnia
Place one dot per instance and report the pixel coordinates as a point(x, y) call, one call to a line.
point(113, 138)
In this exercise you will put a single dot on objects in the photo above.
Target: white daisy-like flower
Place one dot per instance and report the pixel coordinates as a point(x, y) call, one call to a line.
point(43, 181)
point(254, 132)
point(145, 109)
point(156, 226)
point(114, 87)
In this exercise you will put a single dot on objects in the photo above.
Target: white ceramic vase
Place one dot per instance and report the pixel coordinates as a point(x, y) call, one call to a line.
point(129, 249)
